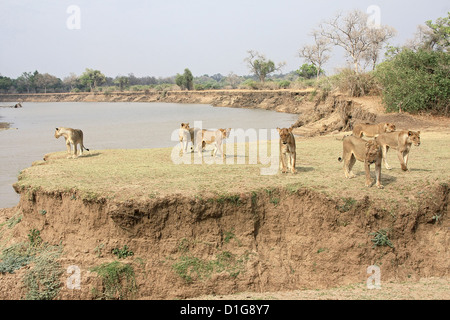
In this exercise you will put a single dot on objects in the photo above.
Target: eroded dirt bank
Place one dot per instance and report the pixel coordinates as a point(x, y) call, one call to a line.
point(278, 100)
point(271, 240)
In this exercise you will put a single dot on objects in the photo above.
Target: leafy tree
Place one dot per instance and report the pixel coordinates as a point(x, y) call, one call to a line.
point(92, 78)
point(416, 81)
point(432, 36)
point(260, 66)
point(309, 71)
point(5, 83)
point(26, 81)
point(121, 81)
point(186, 80)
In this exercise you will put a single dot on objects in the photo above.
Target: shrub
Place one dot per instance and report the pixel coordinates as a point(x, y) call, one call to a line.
point(416, 81)
point(356, 84)
point(381, 238)
point(42, 280)
point(284, 84)
point(118, 281)
point(250, 84)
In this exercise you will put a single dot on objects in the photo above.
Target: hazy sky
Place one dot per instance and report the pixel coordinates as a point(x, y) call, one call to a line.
point(161, 38)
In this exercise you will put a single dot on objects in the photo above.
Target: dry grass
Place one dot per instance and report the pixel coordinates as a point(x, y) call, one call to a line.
point(149, 173)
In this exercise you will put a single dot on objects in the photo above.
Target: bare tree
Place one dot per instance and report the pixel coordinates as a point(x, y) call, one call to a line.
point(260, 66)
point(353, 33)
point(233, 80)
point(378, 38)
point(316, 53)
point(71, 81)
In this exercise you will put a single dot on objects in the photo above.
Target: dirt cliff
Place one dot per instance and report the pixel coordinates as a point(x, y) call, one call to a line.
point(186, 247)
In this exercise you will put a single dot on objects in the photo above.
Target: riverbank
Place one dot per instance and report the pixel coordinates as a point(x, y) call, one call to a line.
point(278, 100)
point(187, 230)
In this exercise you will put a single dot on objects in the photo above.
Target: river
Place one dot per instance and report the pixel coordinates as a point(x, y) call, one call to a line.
point(109, 126)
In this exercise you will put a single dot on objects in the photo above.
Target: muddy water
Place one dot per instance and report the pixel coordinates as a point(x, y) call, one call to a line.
point(109, 126)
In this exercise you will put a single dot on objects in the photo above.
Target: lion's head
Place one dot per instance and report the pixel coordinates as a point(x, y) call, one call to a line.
point(414, 137)
point(389, 127)
point(284, 134)
point(225, 133)
point(373, 151)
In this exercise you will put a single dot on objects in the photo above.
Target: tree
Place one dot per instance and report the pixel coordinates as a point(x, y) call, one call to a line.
point(432, 36)
point(27, 80)
point(186, 80)
point(260, 66)
point(71, 81)
point(5, 83)
point(45, 80)
point(309, 71)
point(378, 37)
point(316, 53)
point(92, 78)
point(233, 80)
point(356, 36)
point(122, 81)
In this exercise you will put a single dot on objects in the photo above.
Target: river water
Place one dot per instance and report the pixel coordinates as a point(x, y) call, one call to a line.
point(109, 126)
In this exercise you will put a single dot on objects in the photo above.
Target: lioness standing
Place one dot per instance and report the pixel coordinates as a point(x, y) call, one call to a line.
point(400, 141)
point(186, 134)
point(372, 130)
point(72, 136)
point(365, 151)
point(287, 150)
point(215, 137)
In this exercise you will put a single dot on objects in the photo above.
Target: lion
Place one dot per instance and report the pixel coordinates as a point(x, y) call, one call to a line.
point(400, 141)
point(215, 137)
point(186, 134)
point(369, 152)
point(372, 130)
point(72, 137)
point(287, 150)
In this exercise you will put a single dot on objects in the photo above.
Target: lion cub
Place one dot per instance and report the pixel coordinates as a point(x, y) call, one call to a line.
point(74, 137)
point(372, 130)
point(287, 150)
point(365, 151)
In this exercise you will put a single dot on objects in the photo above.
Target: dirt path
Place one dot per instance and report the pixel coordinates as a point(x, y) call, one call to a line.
point(424, 289)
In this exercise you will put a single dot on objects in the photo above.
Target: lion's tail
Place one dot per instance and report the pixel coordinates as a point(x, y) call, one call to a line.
point(340, 159)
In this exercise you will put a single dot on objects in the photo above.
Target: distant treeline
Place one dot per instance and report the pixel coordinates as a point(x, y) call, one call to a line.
point(95, 80)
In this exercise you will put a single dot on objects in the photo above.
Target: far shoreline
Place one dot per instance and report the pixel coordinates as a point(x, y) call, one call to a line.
point(282, 100)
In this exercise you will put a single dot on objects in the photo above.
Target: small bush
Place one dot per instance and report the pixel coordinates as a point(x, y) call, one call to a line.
point(118, 281)
point(284, 84)
point(15, 257)
point(381, 239)
point(250, 84)
point(122, 253)
point(42, 280)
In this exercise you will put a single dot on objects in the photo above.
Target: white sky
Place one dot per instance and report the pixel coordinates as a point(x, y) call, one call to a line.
point(162, 38)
